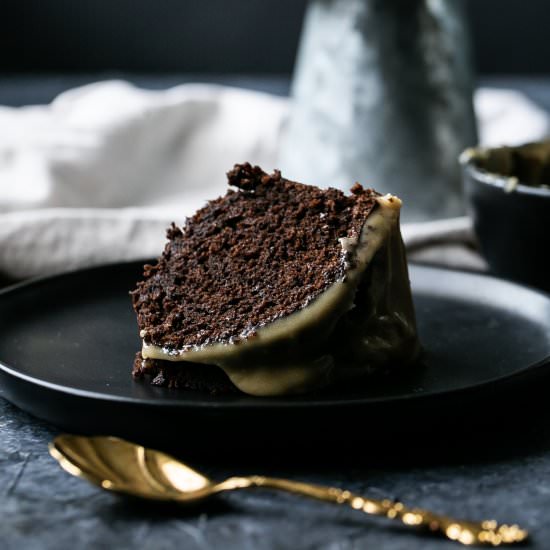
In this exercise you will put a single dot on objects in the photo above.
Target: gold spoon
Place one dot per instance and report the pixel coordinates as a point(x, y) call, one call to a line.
point(123, 467)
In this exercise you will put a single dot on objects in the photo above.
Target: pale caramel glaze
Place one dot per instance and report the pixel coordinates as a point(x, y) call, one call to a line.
point(281, 358)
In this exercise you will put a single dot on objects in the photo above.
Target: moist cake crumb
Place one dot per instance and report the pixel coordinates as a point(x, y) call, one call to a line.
point(220, 277)
point(188, 376)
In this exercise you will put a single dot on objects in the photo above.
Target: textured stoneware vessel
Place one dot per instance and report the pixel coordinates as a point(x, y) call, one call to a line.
point(382, 94)
point(508, 192)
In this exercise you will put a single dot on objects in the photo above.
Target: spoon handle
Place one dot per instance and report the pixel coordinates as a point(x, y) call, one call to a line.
point(466, 532)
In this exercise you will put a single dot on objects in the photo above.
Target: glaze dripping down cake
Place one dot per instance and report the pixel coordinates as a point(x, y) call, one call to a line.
point(277, 288)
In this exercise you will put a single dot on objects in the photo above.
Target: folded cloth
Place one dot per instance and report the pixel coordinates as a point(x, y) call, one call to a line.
point(111, 145)
point(100, 173)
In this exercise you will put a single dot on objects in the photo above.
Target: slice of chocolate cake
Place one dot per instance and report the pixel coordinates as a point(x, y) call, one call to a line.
point(277, 288)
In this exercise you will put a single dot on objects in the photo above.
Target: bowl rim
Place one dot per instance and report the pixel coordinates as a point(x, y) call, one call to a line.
point(507, 184)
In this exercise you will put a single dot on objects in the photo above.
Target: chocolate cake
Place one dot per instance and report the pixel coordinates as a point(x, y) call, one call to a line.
point(276, 288)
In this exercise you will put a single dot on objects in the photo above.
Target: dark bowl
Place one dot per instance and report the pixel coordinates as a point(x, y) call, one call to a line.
point(508, 193)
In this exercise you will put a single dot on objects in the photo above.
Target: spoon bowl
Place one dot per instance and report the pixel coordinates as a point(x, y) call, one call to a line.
point(123, 467)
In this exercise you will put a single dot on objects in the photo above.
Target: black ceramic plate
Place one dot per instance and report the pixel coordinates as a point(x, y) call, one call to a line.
point(67, 344)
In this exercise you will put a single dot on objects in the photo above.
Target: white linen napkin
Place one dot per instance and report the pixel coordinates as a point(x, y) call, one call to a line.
point(97, 175)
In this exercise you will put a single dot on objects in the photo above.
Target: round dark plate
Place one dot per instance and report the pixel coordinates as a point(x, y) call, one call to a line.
point(67, 345)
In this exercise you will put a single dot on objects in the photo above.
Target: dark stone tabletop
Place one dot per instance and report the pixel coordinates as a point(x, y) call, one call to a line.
point(480, 472)
point(503, 474)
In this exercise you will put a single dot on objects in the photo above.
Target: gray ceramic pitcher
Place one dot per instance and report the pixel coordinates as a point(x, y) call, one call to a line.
point(382, 94)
